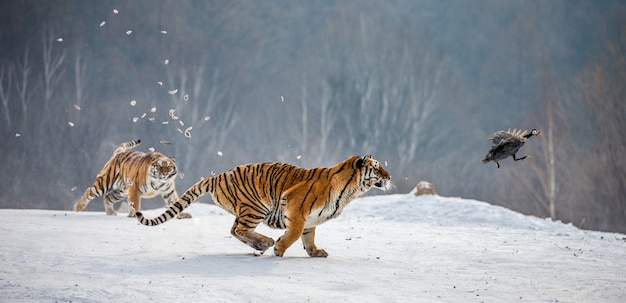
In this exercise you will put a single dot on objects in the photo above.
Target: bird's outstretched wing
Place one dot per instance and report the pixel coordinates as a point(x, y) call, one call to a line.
point(501, 136)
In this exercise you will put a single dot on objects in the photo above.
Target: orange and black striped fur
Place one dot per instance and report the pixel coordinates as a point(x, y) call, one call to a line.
point(283, 196)
point(133, 175)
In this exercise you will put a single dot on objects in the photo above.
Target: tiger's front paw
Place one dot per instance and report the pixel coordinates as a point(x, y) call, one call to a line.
point(131, 213)
point(319, 253)
point(278, 252)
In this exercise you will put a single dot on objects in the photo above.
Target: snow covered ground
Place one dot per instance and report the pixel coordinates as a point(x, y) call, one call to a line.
point(393, 248)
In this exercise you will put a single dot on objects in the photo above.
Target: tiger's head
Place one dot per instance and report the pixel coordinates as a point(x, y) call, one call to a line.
point(373, 174)
point(162, 167)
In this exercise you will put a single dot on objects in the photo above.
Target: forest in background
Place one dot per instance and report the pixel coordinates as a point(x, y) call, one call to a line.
point(420, 85)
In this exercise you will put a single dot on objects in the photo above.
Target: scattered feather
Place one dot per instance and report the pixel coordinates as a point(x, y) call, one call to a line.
point(165, 142)
point(212, 173)
point(160, 83)
point(166, 62)
point(71, 124)
point(152, 110)
point(60, 39)
point(173, 92)
point(179, 130)
point(188, 132)
point(115, 11)
point(102, 23)
point(143, 116)
point(299, 157)
point(152, 119)
point(133, 102)
point(282, 99)
point(219, 153)
point(135, 119)
point(182, 175)
point(181, 123)
point(73, 188)
point(173, 114)
point(17, 135)
point(207, 118)
point(151, 149)
point(76, 107)
point(128, 32)
point(164, 32)
point(165, 122)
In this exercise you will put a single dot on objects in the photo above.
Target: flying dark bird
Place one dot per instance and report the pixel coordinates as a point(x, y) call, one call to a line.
point(507, 143)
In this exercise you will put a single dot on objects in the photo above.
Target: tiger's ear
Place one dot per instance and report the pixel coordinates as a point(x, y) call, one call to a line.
point(361, 162)
point(173, 159)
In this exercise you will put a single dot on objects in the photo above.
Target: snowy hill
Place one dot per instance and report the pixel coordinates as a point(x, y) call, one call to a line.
point(394, 248)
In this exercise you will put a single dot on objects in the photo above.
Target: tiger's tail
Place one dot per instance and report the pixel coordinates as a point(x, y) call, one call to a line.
point(126, 145)
point(196, 191)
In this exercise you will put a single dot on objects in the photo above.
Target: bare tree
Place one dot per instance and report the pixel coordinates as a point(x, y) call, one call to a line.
point(24, 93)
point(52, 75)
point(52, 63)
point(206, 115)
point(5, 92)
point(602, 88)
point(80, 76)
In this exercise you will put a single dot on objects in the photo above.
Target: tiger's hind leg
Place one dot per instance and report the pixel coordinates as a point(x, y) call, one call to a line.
point(110, 199)
point(91, 193)
point(243, 230)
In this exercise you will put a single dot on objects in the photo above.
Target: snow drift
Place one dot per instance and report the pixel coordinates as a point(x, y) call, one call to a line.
point(393, 248)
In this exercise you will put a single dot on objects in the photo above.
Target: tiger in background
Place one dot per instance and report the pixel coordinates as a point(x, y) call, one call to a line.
point(133, 175)
point(283, 196)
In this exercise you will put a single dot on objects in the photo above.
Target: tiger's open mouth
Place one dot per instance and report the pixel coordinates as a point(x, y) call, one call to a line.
point(167, 176)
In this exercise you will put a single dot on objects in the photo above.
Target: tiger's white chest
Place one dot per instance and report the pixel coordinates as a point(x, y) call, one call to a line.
point(154, 187)
point(318, 217)
point(331, 210)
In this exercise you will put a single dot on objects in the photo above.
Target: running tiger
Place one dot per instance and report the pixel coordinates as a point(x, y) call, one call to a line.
point(133, 175)
point(283, 196)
